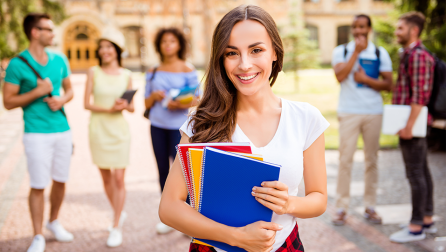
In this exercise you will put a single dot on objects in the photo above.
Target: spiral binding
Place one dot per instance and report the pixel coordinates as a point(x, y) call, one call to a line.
point(202, 179)
point(184, 169)
point(191, 192)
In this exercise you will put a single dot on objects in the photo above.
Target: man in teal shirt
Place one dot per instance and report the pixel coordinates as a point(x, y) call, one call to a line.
point(47, 138)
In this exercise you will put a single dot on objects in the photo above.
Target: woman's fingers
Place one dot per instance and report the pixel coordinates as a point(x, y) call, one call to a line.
point(276, 208)
point(270, 226)
point(275, 199)
point(266, 191)
point(275, 184)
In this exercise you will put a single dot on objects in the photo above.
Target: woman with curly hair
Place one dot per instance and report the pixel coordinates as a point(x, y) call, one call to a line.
point(173, 72)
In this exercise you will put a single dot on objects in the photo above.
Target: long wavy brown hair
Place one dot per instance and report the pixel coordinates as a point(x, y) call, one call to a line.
point(215, 117)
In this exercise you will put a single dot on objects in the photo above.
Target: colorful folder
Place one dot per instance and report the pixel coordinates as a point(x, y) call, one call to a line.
point(226, 184)
point(195, 157)
point(183, 150)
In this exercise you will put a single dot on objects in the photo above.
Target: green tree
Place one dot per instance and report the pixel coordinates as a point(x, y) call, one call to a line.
point(435, 11)
point(433, 37)
point(12, 12)
point(300, 51)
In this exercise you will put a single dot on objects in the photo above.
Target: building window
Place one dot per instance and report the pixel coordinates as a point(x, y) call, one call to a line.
point(133, 41)
point(69, 54)
point(78, 52)
point(343, 34)
point(313, 33)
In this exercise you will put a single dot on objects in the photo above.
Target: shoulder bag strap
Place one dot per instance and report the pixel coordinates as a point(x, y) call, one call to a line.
point(38, 76)
point(345, 51)
point(153, 74)
point(147, 111)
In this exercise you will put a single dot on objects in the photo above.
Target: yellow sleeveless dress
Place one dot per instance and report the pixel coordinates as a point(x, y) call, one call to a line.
point(109, 133)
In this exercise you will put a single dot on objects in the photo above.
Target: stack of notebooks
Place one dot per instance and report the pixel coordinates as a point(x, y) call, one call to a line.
point(220, 178)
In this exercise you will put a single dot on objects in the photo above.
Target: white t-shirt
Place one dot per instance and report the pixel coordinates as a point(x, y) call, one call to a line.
point(300, 125)
point(355, 99)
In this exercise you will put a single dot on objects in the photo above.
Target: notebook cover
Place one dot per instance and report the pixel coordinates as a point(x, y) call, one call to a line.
point(395, 118)
point(195, 158)
point(128, 95)
point(227, 182)
point(182, 152)
point(195, 163)
point(371, 69)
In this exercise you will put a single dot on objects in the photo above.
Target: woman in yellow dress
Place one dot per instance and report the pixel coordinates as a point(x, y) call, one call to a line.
point(109, 132)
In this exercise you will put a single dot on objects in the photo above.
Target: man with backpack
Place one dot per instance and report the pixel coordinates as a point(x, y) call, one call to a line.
point(358, 66)
point(33, 81)
point(413, 87)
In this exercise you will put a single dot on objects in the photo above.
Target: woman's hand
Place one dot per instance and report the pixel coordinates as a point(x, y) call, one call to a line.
point(174, 105)
point(120, 105)
point(158, 95)
point(258, 236)
point(273, 195)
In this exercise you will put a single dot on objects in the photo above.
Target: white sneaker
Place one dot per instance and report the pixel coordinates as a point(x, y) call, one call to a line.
point(59, 231)
point(38, 244)
point(115, 238)
point(121, 221)
point(431, 229)
point(404, 235)
point(162, 228)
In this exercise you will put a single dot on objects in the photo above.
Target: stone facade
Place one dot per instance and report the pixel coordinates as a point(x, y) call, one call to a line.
point(329, 20)
point(139, 20)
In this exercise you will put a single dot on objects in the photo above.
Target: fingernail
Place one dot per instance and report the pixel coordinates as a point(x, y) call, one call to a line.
point(253, 193)
point(263, 183)
point(254, 188)
point(280, 226)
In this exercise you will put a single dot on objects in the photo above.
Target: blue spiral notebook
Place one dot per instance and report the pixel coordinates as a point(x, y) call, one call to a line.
point(371, 68)
point(227, 182)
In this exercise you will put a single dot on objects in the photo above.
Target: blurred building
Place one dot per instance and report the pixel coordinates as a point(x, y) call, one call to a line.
point(139, 20)
point(329, 21)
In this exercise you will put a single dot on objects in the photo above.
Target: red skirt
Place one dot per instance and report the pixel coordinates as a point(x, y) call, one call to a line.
point(291, 244)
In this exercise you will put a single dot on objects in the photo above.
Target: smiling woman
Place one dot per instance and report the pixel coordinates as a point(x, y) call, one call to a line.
point(238, 105)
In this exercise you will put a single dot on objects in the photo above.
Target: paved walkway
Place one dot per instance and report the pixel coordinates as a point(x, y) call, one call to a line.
point(87, 213)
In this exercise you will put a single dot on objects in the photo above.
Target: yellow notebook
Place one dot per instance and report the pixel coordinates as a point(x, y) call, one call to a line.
point(195, 159)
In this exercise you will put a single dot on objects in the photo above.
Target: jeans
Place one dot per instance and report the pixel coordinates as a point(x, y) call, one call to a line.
point(164, 142)
point(417, 172)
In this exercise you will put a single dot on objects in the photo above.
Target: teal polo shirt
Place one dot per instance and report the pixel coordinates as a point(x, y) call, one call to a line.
point(38, 116)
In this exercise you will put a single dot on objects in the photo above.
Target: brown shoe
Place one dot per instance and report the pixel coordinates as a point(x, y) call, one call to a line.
point(372, 216)
point(339, 218)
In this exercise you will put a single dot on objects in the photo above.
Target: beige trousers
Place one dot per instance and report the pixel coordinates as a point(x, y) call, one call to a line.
point(350, 126)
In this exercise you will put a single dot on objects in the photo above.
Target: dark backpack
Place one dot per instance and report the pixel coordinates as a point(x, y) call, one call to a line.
point(437, 101)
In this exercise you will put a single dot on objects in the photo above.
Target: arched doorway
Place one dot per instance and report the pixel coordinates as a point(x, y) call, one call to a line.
point(80, 45)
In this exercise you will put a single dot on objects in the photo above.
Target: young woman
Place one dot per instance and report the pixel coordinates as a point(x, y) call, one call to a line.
point(173, 72)
point(109, 132)
point(238, 105)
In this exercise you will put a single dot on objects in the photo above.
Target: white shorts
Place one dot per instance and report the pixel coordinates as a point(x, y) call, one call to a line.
point(48, 157)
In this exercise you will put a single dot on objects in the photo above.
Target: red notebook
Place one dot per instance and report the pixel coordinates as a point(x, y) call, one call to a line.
point(185, 164)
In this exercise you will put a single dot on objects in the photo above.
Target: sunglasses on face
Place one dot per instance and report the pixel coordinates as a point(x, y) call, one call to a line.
point(45, 29)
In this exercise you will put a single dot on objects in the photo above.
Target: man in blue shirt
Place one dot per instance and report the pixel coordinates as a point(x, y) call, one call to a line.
point(47, 137)
point(358, 66)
